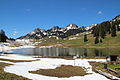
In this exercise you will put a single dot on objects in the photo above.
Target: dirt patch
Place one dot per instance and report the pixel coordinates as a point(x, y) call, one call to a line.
point(62, 71)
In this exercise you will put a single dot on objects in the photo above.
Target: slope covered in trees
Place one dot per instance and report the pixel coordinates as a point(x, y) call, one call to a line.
point(108, 27)
point(105, 34)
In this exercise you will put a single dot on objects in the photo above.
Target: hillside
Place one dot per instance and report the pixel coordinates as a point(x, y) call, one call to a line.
point(105, 34)
point(78, 41)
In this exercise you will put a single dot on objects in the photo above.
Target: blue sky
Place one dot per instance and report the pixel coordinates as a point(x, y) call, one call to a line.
point(18, 17)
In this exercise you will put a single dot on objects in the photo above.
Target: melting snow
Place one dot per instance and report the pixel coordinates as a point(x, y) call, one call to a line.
point(22, 68)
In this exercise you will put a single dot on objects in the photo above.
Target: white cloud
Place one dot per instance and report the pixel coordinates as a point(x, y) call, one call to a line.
point(15, 33)
point(99, 12)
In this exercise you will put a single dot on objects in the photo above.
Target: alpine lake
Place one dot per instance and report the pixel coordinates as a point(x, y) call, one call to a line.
point(56, 52)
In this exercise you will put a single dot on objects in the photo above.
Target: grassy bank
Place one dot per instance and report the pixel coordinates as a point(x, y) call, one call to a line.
point(100, 66)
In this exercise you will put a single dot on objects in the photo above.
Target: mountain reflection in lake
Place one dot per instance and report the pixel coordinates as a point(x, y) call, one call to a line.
point(66, 51)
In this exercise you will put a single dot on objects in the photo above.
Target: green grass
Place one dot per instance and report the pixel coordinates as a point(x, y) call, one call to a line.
point(100, 66)
point(9, 76)
point(50, 41)
point(108, 42)
point(113, 66)
point(97, 65)
point(62, 71)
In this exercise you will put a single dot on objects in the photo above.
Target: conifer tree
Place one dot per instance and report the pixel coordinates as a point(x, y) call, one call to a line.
point(3, 37)
point(96, 40)
point(113, 30)
point(85, 38)
point(100, 40)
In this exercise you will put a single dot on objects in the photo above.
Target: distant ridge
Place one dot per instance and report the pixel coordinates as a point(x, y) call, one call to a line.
point(98, 30)
point(38, 33)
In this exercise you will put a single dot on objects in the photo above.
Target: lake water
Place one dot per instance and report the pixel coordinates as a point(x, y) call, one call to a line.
point(66, 52)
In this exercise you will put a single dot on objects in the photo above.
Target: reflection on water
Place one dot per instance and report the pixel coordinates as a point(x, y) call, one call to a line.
point(66, 51)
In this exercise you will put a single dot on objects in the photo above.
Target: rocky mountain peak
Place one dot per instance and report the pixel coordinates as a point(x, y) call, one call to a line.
point(71, 26)
point(117, 18)
point(38, 30)
point(55, 28)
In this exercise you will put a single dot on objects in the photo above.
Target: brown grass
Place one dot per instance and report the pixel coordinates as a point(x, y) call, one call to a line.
point(62, 71)
point(69, 57)
point(17, 60)
point(58, 57)
point(94, 58)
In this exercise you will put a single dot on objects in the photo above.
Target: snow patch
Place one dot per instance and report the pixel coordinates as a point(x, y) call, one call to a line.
point(22, 68)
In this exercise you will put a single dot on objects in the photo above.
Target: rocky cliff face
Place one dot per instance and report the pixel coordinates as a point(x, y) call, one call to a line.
point(35, 34)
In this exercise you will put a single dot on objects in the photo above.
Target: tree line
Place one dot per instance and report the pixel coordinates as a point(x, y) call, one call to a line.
point(101, 30)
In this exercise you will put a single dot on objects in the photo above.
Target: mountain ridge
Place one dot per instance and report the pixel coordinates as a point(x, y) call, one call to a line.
point(38, 33)
point(73, 29)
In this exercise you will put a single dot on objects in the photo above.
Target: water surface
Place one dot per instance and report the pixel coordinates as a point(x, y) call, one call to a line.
point(66, 51)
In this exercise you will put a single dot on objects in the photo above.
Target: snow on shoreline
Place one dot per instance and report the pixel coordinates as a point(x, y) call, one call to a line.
point(9, 49)
point(16, 57)
point(22, 68)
